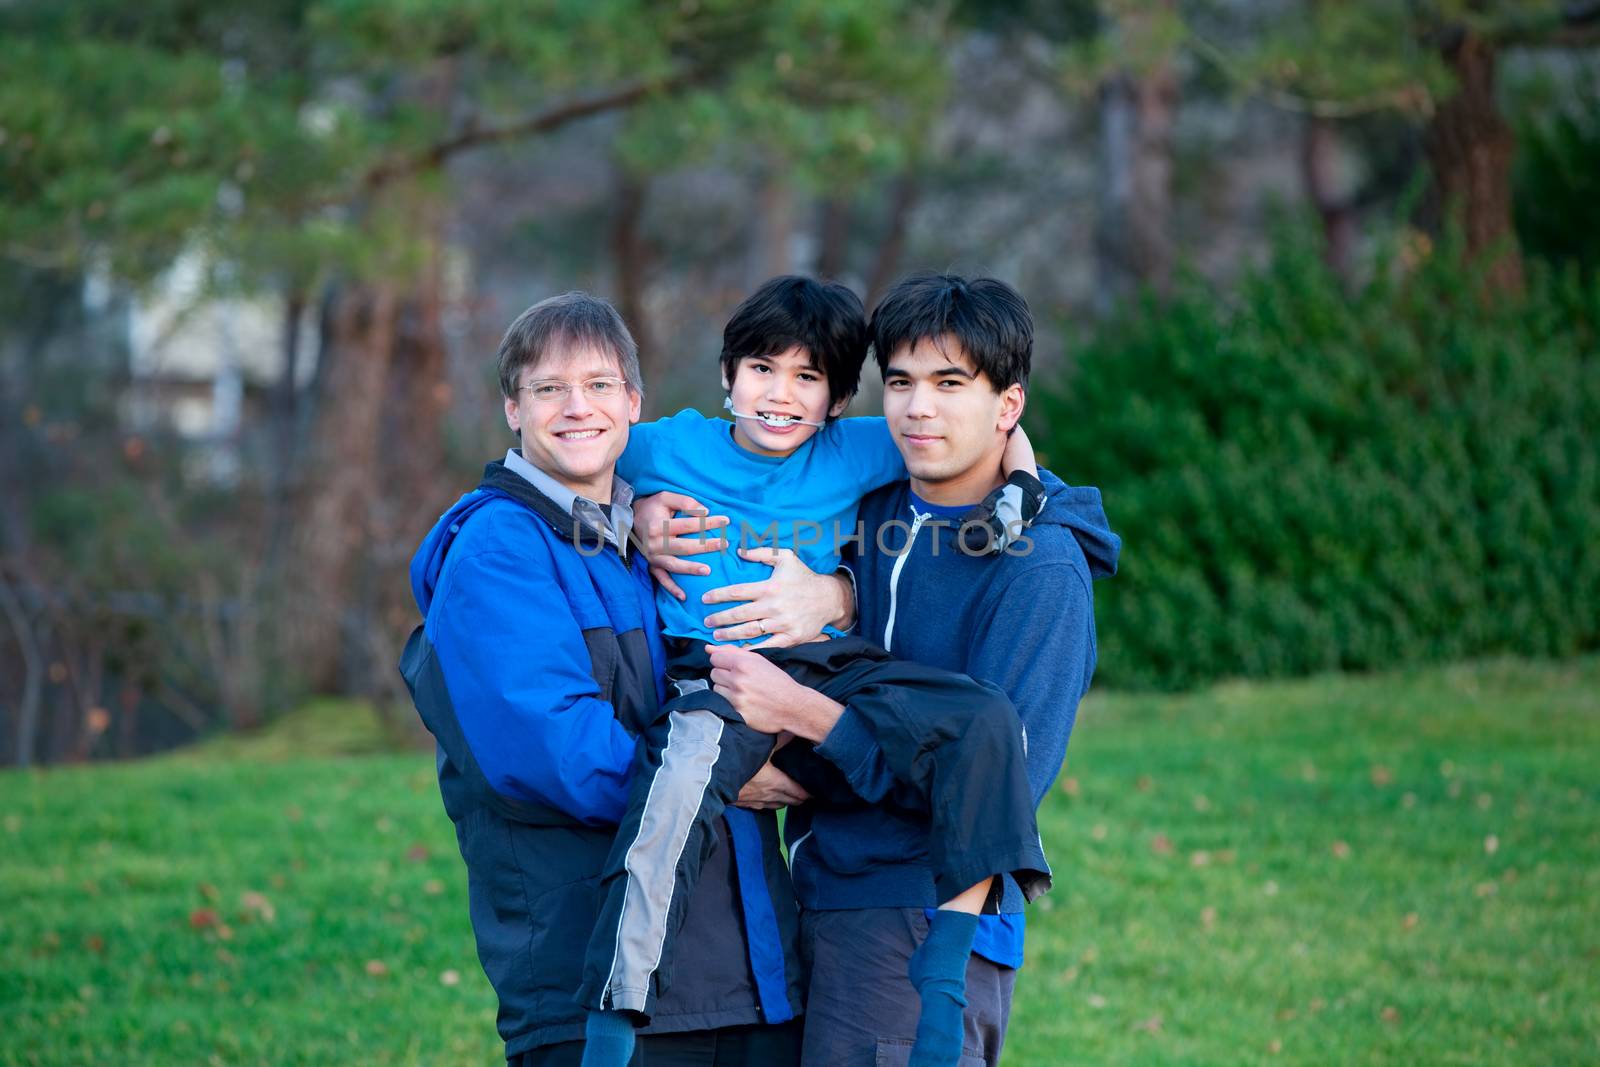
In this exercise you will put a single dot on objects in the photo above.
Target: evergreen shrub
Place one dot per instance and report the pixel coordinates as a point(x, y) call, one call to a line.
point(1311, 479)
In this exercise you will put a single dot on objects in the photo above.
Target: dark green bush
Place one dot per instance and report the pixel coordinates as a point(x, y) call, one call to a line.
point(1309, 480)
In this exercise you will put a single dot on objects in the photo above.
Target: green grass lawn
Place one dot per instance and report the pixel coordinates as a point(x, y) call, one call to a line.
point(1402, 869)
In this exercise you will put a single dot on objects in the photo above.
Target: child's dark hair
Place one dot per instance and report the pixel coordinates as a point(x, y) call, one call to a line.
point(824, 318)
point(985, 315)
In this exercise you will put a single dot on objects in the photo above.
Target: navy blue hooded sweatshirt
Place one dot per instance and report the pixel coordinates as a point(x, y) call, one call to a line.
point(536, 665)
point(1022, 619)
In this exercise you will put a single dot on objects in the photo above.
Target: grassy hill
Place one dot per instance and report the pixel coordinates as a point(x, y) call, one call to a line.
point(1399, 869)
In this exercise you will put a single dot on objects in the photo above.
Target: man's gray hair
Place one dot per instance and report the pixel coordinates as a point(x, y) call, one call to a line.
point(571, 320)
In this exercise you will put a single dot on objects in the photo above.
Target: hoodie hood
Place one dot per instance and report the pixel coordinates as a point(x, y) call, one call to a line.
point(1078, 508)
point(427, 564)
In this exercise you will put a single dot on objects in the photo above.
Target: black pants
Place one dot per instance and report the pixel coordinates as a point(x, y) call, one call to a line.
point(731, 1046)
point(954, 746)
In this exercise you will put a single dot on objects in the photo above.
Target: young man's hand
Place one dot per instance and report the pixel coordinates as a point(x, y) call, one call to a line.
point(758, 690)
point(771, 788)
point(666, 539)
point(791, 607)
point(766, 698)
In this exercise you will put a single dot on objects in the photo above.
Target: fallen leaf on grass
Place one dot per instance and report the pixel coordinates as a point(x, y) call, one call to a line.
point(1380, 775)
point(1096, 1001)
point(1200, 858)
point(1389, 1014)
point(1487, 889)
point(257, 905)
point(1161, 845)
point(203, 918)
point(95, 943)
point(433, 887)
point(209, 891)
point(1411, 920)
point(1491, 844)
point(451, 978)
point(1070, 787)
point(1270, 889)
point(1341, 850)
point(1208, 917)
point(1274, 1046)
point(1144, 783)
point(377, 968)
point(1201, 803)
point(1151, 1025)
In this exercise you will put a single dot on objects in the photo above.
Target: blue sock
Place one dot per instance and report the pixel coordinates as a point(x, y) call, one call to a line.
point(939, 971)
point(608, 1039)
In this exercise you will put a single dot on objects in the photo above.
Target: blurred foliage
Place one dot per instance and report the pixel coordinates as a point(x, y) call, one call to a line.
point(1309, 480)
point(293, 139)
point(1557, 180)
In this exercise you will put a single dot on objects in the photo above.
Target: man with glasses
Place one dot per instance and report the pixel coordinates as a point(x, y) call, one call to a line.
point(539, 661)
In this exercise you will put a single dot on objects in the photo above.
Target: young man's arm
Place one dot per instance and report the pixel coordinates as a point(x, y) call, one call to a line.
point(518, 674)
point(1036, 644)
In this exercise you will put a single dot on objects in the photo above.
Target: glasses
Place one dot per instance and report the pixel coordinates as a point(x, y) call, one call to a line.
point(554, 391)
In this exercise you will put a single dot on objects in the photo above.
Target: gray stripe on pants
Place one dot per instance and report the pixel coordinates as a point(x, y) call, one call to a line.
point(676, 792)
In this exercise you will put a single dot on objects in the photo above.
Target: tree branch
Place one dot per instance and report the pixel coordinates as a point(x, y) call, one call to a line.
point(1574, 24)
point(550, 118)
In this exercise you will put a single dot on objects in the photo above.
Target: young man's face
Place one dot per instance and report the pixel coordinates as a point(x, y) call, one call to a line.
point(948, 420)
point(779, 387)
point(575, 439)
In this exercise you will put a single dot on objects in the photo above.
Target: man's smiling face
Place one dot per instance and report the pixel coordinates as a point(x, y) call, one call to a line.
point(947, 420)
point(780, 390)
point(577, 439)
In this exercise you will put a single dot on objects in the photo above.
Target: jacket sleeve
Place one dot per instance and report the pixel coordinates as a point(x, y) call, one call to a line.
point(518, 674)
point(1036, 642)
point(1038, 646)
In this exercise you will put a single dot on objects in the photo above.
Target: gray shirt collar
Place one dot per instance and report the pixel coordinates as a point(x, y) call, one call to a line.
point(614, 520)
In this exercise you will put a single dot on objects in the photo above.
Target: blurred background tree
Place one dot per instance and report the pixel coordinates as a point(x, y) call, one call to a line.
point(257, 257)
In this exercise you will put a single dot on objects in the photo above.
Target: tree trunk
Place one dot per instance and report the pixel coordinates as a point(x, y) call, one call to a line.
point(1470, 147)
point(1133, 232)
point(342, 475)
point(770, 251)
point(1318, 162)
point(631, 256)
point(833, 236)
point(32, 672)
point(903, 196)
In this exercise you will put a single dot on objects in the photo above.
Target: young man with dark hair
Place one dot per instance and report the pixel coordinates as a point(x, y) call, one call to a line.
point(791, 358)
point(955, 356)
point(538, 664)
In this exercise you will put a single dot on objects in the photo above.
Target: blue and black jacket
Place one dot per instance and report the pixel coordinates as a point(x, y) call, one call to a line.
point(538, 661)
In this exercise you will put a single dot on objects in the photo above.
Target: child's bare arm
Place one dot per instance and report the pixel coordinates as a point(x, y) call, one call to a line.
point(1018, 455)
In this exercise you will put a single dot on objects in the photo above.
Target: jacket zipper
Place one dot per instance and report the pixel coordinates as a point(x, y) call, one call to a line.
point(917, 519)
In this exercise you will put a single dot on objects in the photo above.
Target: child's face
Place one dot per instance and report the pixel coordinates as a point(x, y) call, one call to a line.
point(781, 386)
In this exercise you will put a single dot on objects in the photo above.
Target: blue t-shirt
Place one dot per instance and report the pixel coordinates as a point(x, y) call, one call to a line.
point(805, 501)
